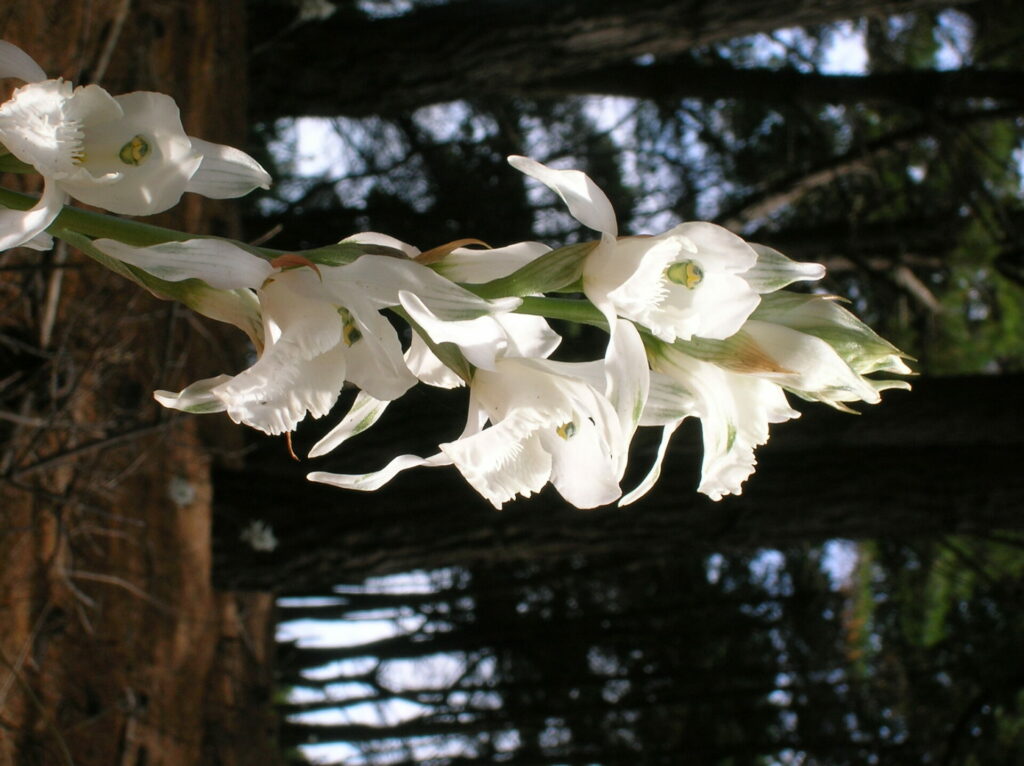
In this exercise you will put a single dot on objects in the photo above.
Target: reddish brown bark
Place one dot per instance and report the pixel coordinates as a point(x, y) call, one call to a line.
point(115, 649)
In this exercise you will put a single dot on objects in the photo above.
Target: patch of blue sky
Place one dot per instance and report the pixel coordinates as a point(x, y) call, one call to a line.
point(391, 713)
point(846, 52)
point(421, 749)
point(350, 632)
point(955, 35)
point(436, 671)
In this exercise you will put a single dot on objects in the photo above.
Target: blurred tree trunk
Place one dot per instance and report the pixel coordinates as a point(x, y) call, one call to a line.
point(115, 649)
point(941, 459)
point(365, 67)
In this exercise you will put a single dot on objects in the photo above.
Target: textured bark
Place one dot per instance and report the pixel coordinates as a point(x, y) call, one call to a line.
point(356, 66)
point(114, 648)
point(942, 459)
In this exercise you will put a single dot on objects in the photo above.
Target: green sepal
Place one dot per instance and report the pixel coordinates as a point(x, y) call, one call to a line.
point(737, 353)
point(551, 272)
point(346, 252)
point(238, 307)
point(821, 315)
point(773, 270)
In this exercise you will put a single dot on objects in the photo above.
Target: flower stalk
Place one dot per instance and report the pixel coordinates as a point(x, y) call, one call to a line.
point(699, 322)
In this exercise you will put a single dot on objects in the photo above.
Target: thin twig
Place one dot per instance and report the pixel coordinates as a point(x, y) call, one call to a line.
point(23, 654)
point(34, 698)
point(111, 42)
point(53, 291)
point(110, 441)
point(122, 583)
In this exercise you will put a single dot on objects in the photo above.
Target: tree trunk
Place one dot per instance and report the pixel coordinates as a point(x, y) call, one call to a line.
point(115, 649)
point(357, 66)
point(941, 459)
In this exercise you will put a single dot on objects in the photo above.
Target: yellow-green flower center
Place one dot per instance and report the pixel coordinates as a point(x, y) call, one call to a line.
point(350, 333)
point(567, 430)
point(689, 274)
point(135, 151)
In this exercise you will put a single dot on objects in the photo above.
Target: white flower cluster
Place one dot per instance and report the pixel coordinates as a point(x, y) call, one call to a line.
point(699, 322)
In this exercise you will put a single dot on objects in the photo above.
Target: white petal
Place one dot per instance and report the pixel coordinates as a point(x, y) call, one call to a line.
point(376, 364)
point(528, 336)
point(240, 308)
point(627, 379)
point(385, 240)
point(299, 315)
point(481, 340)
point(21, 227)
point(586, 202)
point(35, 125)
point(379, 279)
point(668, 401)
point(632, 272)
point(525, 384)
point(217, 262)
point(814, 365)
point(276, 393)
point(422, 362)
point(365, 411)
point(225, 172)
point(823, 317)
point(197, 398)
point(721, 304)
point(14, 62)
point(504, 460)
point(39, 242)
point(654, 474)
point(369, 482)
point(473, 266)
point(584, 466)
point(735, 411)
point(727, 251)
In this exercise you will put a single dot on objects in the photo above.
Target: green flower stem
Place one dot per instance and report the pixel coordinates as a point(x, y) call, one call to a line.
point(569, 309)
point(97, 224)
point(138, 234)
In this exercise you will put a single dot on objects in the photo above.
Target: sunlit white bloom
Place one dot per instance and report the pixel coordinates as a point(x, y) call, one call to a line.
point(804, 344)
point(569, 424)
point(735, 411)
point(502, 334)
point(321, 326)
point(697, 279)
point(128, 154)
point(523, 335)
point(823, 317)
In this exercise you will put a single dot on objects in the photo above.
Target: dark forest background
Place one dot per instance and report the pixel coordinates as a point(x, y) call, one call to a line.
point(859, 603)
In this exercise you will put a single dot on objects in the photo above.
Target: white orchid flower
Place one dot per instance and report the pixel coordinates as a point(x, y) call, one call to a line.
point(321, 326)
point(804, 344)
point(128, 154)
point(523, 335)
point(569, 424)
point(735, 411)
point(689, 281)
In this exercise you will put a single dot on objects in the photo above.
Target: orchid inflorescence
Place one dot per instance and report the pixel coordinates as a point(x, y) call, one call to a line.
point(700, 323)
